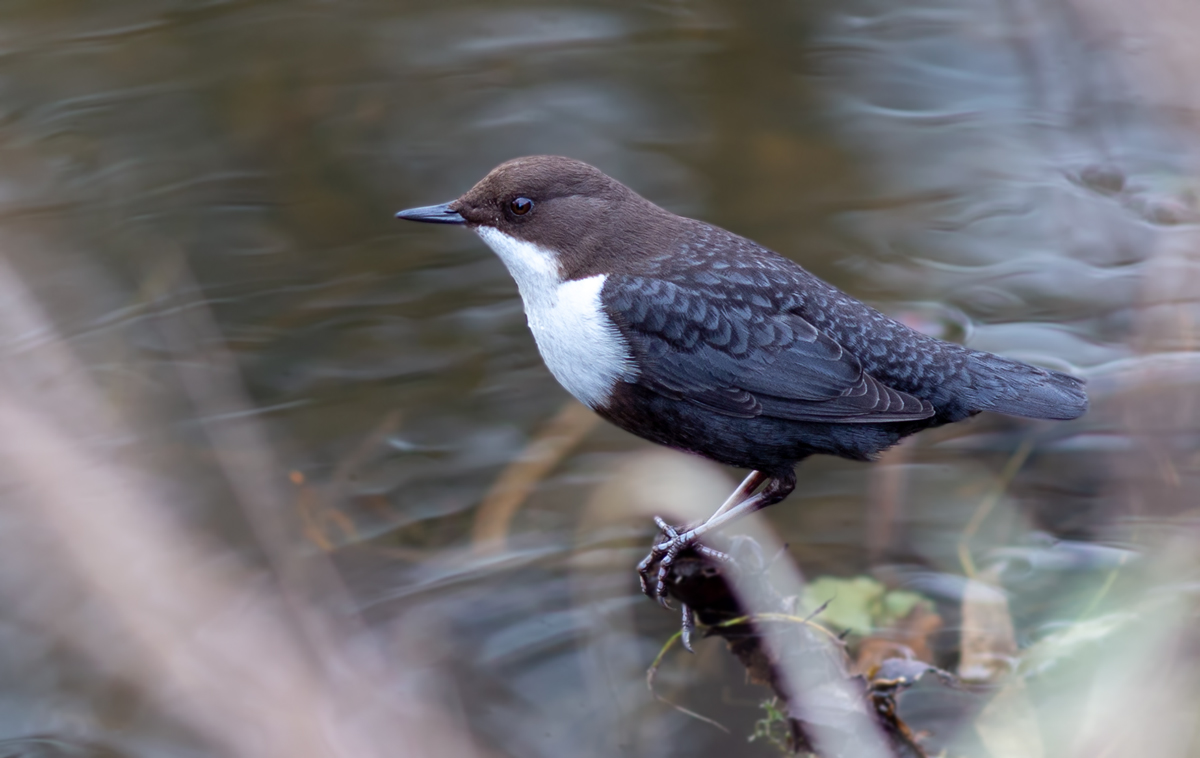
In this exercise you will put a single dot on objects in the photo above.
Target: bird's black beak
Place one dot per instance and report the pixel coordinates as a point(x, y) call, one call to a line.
point(433, 214)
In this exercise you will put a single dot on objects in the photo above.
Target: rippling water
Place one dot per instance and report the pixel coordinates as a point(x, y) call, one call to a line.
point(208, 286)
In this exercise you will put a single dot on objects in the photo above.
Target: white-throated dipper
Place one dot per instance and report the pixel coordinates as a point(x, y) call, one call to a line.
point(698, 339)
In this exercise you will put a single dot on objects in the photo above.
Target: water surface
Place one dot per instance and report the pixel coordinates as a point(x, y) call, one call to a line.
point(197, 198)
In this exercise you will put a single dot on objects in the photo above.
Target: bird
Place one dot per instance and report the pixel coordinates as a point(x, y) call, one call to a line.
point(704, 341)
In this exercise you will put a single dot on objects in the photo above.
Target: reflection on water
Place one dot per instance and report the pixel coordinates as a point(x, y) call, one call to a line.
point(206, 293)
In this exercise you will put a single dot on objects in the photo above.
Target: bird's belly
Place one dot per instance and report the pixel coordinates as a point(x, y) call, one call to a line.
point(578, 342)
point(761, 442)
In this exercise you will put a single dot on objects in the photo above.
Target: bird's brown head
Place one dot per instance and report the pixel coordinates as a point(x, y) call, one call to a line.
point(556, 203)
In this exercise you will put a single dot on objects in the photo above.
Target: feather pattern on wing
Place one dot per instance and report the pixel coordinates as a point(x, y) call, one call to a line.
point(734, 348)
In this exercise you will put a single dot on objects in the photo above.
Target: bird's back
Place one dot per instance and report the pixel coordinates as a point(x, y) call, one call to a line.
point(956, 380)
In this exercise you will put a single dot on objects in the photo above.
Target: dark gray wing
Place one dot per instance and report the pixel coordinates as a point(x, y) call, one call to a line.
point(734, 351)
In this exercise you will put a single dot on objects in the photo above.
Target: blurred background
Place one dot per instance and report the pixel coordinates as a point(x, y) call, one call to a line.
point(283, 476)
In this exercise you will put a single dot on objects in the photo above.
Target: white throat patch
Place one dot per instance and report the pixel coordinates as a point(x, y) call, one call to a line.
point(578, 341)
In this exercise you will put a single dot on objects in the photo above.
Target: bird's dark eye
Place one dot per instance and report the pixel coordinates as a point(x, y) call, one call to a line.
point(520, 206)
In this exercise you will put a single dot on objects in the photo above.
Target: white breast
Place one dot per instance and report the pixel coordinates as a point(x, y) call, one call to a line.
point(578, 341)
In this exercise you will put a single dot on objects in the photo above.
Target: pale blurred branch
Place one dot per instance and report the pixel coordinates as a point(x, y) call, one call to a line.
point(258, 668)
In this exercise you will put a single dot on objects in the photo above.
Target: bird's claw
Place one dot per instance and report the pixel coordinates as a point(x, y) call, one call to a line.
point(687, 628)
point(657, 553)
point(668, 531)
point(664, 554)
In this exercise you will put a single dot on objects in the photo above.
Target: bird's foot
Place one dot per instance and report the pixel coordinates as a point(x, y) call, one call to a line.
point(663, 555)
point(687, 627)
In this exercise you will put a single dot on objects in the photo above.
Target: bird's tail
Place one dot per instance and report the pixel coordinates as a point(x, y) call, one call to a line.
point(1017, 389)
